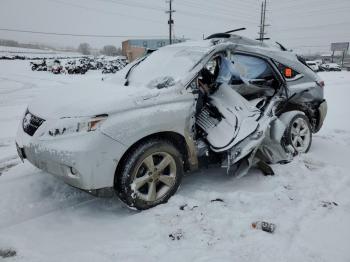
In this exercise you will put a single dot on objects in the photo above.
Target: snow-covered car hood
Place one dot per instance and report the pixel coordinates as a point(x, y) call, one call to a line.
point(89, 99)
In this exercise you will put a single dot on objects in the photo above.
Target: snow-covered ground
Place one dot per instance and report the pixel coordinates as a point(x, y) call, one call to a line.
point(44, 219)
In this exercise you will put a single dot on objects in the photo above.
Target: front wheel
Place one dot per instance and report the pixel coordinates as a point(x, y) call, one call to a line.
point(299, 133)
point(151, 174)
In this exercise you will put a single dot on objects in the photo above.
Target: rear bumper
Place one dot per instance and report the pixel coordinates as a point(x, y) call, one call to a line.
point(86, 161)
point(322, 113)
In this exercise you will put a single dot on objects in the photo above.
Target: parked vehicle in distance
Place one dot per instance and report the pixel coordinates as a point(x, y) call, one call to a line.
point(331, 67)
point(39, 66)
point(313, 65)
point(227, 101)
point(56, 67)
point(80, 65)
point(76, 67)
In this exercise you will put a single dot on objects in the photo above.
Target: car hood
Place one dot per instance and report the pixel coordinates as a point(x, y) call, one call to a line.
point(89, 99)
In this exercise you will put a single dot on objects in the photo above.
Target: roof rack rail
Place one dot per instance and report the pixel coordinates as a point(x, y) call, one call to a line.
point(226, 34)
point(236, 30)
point(281, 46)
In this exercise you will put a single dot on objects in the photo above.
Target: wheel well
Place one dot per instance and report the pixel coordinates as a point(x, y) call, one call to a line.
point(306, 110)
point(176, 139)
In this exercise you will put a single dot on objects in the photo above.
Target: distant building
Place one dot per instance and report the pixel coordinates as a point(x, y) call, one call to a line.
point(135, 48)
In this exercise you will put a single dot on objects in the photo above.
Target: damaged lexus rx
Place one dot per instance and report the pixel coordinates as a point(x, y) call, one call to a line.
point(227, 101)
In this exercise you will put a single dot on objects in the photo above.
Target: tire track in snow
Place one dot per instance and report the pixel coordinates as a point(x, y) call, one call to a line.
point(42, 79)
point(25, 85)
point(35, 195)
point(79, 203)
point(27, 193)
point(8, 162)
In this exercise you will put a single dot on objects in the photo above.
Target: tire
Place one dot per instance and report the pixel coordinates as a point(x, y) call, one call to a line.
point(139, 184)
point(299, 134)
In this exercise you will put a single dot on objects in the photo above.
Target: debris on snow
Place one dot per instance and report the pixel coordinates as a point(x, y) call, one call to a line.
point(288, 187)
point(328, 204)
point(5, 253)
point(185, 206)
point(178, 235)
point(194, 207)
point(217, 200)
point(264, 226)
point(182, 207)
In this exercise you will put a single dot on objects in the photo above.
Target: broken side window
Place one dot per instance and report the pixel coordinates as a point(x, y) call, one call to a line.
point(256, 75)
point(251, 67)
point(228, 72)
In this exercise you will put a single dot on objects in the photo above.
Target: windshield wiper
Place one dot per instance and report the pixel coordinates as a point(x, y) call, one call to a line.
point(130, 70)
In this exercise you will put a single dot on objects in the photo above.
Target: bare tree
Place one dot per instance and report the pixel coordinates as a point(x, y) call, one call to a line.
point(6, 42)
point(84, 48)
point(110, 50)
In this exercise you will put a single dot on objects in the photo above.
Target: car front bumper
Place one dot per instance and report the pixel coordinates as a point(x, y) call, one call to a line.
point(86, 161)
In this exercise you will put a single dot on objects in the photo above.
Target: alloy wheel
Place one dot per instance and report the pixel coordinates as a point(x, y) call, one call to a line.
point(154, 177)
point(300, 135)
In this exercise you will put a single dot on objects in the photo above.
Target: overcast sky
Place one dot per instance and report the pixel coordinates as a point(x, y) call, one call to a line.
point(305, 25)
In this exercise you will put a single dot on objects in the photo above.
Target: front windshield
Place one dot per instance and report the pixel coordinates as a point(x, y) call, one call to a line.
point(166, 66)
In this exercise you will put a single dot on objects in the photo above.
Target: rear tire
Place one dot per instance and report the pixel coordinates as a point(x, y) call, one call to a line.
point(299, 134)
point(150, 175)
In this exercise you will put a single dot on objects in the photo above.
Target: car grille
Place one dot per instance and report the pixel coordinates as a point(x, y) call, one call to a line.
point(31, 123)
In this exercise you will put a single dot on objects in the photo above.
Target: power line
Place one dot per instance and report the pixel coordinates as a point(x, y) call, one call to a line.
point(76, 35)
point(287, 29)
point(209, 16)
point(158, 22)
point(224, 4)
point(104, 11)
point(213, 17)
point(219, 9)
point(294, 6)
point(131, 4)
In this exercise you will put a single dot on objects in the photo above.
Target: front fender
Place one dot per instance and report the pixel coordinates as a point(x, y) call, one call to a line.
point(130, 126)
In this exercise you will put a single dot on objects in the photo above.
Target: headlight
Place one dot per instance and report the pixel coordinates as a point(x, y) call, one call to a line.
point(68, 126)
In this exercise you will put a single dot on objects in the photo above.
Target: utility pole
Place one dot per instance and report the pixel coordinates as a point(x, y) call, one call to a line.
point(263, 24)
point(261, 21)
point(170, 21)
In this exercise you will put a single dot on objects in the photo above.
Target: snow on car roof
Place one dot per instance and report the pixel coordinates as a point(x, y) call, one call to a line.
point(169, 64)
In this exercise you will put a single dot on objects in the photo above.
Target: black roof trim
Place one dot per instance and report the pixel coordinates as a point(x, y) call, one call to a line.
point(218, 35)
point(225, 34)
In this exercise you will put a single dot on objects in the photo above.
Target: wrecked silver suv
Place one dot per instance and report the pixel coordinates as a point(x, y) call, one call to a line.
point(231, 102)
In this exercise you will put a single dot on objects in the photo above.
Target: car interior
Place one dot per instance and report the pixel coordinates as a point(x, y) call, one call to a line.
point(232, 92)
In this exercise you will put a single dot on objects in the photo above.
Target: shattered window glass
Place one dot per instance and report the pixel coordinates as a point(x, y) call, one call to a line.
point(228, 72)
point(251, 67)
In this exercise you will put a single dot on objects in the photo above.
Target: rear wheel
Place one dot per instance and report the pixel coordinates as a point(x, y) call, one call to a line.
point(151, 174)
point(299, 134)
